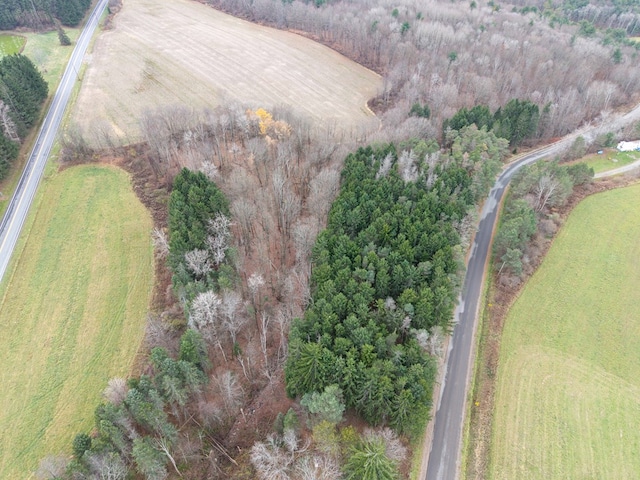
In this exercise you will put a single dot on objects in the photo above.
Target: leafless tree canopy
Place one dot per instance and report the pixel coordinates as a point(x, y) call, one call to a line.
point(51, 467)
point(116, 391)
point(450, 55)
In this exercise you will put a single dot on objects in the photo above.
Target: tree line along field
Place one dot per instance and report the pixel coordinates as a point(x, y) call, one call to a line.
point(568, 380)
point(72, 312)
point(183, 52)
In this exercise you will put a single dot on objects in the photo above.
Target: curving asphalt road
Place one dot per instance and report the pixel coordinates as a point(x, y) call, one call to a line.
point(444, 458)
point(447, 434)
point(23, 196)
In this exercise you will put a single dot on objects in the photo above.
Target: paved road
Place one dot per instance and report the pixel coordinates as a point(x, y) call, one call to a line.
point(444, 458)
point(21, 201)
point(447, 434)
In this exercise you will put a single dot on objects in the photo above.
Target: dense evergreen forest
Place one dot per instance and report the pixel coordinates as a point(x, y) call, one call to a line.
point(22, 91)
point(516, 121)
point(41, 14)
point(385, 276)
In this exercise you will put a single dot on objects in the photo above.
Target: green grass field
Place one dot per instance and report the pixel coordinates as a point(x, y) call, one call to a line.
point(73, 313)
point(610, 159)
point(48, 55)
point(568, 387)
point(10, 44)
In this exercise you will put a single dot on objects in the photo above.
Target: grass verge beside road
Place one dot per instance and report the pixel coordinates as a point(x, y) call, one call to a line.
point(51, 59)
point(568, 387)
point(609, 159)
point(72, 310)
point(48, 55)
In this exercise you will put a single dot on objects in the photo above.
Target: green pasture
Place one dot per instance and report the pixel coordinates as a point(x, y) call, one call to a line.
point(72, 311)
point(10, 44)
point(610, 159)
point(48, 55)
point(568, 386)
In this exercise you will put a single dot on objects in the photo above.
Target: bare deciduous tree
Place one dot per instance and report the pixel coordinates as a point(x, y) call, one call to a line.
point(232, 320)
point(244, 213)
point(545, 188)
point(218, 238)
point(255, 282)
point(407, 166)
point(270, 462)
point(116, 390)
point(52, 467)
point(304, 235)
point(204, 310)
point(231, 392)
point(197, 261)
point(322, 191)
point(385, 166)
point(318, 467)
point(283, 320)
point(209, 169)
point(157, 333)
point(164, 445)
point(160, 242)
point(108, 466)
point(394, 448)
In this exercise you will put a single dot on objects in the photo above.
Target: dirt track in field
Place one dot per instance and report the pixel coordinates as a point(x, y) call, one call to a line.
point(182, 52)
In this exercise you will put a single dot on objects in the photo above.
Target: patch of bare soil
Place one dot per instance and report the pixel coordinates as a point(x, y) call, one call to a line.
point(503, 292)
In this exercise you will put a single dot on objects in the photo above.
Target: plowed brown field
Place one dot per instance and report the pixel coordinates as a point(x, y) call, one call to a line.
point(182, 52)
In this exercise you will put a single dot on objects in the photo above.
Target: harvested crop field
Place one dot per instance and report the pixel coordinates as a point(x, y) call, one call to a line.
point(72, 312)
point(568, 387)
point(183, 52)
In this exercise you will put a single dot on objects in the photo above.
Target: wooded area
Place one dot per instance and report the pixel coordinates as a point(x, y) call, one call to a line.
point(449, 56)
point(607, 14)
point(41, 14)
point(534, 191)
point(371, 302)
point(385, 277)
point(516, 121)
point(22, 91)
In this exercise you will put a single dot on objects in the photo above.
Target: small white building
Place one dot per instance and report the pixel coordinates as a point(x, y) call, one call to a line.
point(629, 146)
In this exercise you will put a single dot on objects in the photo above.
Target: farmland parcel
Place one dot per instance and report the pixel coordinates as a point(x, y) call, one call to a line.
point(568, 392)
point(74, 315)
point(183, 52)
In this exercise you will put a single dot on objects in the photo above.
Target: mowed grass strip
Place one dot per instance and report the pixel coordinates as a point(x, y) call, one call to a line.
point(568, 387)
point(72, 312)
point(609, 160)
point(10, 44)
